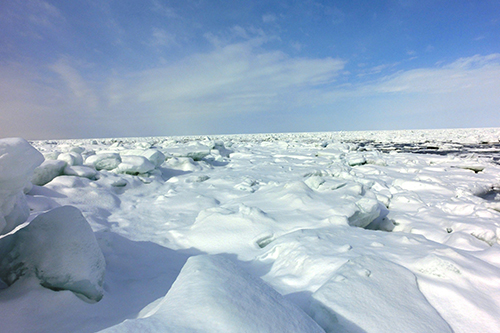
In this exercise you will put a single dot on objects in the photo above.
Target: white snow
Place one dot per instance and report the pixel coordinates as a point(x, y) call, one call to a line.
point(371, 294)
point(212, 294)
point(356, 231)
point(80, 171)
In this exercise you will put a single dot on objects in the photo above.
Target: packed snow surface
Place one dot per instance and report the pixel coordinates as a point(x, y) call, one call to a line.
point(394, 231)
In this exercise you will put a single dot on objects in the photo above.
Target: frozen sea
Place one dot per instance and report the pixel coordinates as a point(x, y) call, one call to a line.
point(376, 231)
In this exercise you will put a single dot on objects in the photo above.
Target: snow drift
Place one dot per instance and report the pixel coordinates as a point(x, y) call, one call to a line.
point(213, 294)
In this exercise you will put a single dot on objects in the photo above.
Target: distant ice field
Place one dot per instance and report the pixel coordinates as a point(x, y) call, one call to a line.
point(376, 231)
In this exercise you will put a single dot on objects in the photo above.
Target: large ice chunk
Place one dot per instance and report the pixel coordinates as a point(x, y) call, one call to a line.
point(153, 155)
point(18, 159)
point(368, 210)
point(106, 161)
point(134, 165)
point(46, 172)
point(212, 294)
point(60, 250)
point(72, 158)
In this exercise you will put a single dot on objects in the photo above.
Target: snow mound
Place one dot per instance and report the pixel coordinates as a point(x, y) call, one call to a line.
point(213, 294)
point(18, 159)
point(182, 163)
point(72, 158)
point(232, 229)
point(60, 250)
point(370, 294)
point(80, 171)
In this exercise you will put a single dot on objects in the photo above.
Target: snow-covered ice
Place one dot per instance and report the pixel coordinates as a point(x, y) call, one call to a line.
point(59, 249)
point(342, 232)
point(47, 171)
point(18, 159)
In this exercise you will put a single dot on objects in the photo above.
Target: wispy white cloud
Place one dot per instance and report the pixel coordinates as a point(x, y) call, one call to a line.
point(463, 93)
point(163, 9)
point(250, 35)
point(377, 69)
point(162, 38)
point(269, 18)
point(457, 76)
point(238, 77)
point(42, 13)
point(70, 80)
point(476, 61)
point(33, 14)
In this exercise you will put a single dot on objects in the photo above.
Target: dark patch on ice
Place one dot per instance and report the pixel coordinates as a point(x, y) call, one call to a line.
point(486, 150)
point(492, 195)
point(168, 173)
point(120, 183)
point(476, 169)
point(216, 163)
point(382, 224)
point(265, 241)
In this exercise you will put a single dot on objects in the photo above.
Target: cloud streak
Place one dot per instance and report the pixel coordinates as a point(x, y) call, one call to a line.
point(233, 78)
point(200, 93)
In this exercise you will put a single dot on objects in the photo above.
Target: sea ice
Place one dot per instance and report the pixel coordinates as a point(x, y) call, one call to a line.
point(60, 250)
point(71, 158)
point(18, 159)
point(47, 171)
point(368, 210)
point(106, 161)
point(153, 155)
point(288, 209)
point(134, 165)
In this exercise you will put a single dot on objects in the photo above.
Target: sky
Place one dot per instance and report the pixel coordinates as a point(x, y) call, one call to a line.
point(116, 68)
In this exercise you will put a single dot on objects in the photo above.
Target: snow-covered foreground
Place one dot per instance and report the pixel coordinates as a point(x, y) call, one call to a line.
point(253, 233)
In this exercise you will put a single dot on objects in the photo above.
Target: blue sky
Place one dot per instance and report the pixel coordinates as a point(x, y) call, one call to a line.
point(100, 68)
